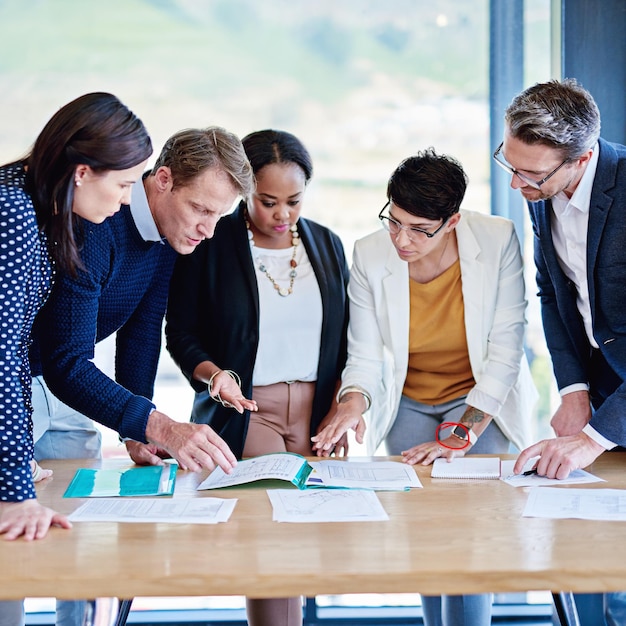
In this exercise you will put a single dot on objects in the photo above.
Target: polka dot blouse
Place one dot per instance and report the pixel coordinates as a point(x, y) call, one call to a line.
point(25, 280)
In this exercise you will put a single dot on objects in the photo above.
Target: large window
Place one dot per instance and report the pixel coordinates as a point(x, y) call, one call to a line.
point(363, 83)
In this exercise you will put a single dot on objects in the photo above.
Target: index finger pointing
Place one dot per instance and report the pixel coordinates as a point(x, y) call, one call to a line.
point(534, 450)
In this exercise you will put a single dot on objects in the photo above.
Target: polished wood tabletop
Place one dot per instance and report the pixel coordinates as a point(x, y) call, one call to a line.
point(449, 537)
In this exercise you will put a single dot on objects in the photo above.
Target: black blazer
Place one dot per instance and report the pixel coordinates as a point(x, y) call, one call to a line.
point(213, 314)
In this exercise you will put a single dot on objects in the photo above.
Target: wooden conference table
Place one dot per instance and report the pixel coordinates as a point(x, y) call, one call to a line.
point(450, 537)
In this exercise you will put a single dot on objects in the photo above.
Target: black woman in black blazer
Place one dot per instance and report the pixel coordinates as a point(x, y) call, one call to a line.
point(213, 314)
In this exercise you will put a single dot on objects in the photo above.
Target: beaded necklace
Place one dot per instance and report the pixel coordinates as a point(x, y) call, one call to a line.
point(295, 242)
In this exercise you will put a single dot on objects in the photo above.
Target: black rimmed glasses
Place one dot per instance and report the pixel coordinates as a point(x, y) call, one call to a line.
point(536, 184)
point(413, 232)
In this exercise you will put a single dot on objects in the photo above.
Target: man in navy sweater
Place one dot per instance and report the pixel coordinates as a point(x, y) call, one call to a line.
point(122, 288)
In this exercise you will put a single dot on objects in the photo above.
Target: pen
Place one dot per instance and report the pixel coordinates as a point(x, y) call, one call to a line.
point(530, 472)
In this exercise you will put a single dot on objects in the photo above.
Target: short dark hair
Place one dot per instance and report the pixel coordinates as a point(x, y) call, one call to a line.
point(95, 129)
point(265, 147)
point(558, 114)
point(428, 185)
point(190, 152)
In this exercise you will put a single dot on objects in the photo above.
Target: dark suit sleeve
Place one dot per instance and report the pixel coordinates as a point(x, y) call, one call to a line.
point(610, 419)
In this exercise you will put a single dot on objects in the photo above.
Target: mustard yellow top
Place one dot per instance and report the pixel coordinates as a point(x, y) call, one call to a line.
point(439, 366)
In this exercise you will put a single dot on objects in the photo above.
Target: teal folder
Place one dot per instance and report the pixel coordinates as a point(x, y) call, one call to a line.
point(153, 480)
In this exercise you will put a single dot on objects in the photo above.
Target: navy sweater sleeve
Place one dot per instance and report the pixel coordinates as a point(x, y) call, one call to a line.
point(122, 289)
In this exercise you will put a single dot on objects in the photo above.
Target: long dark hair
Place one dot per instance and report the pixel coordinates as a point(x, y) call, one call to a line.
point(95, 130)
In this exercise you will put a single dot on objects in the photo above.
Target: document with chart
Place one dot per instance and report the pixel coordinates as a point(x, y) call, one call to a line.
point(593, 504)
point(170, 510)
point(372, 475)
point(329, 473)
point(287, 466)
point(326, 505)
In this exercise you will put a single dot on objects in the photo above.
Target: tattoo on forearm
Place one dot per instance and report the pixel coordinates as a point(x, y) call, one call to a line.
point(472, 416)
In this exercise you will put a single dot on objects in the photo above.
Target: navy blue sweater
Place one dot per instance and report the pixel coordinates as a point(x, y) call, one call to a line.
point(123, 289)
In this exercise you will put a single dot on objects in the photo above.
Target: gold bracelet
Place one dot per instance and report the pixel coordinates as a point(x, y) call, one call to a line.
point(217, 397)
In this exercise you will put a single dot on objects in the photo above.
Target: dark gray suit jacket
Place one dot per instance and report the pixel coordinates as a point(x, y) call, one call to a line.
point(213, 314)
point(606, 273)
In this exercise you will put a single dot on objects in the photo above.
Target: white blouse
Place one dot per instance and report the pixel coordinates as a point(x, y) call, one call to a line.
point(290, 327)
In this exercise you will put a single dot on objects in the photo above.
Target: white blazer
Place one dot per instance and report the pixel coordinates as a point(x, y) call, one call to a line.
point(495, 305)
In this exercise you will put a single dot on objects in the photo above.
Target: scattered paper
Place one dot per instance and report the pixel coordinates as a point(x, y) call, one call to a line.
point(171, 511)
point(375, 475)
point(577, 477)
point(593, 504)
point(326, 505)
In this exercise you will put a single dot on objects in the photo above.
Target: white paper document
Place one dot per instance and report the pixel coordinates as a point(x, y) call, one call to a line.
point(577, 477)
point(326, 505)
point(375, 475)
point(170, 511)
point(279, 466)
point(592, 504)
point(467, 467)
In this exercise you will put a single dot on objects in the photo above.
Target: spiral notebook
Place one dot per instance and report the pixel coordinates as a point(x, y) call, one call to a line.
point(467, 467)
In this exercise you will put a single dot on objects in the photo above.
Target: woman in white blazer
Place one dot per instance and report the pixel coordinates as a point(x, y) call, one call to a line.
point(436, 332)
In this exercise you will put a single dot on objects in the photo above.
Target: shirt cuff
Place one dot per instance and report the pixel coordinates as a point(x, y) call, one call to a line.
point(483, 402)
point(598, 438)
point(356, 389)
point(573, 388)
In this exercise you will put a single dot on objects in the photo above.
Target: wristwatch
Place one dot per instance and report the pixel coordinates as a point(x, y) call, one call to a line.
point(464, 433)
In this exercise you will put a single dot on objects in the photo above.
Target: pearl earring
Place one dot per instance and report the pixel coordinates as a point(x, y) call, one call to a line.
point(77, 183)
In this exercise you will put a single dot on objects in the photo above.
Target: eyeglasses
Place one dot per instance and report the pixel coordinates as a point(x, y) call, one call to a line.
point(413, 232)
point(536, 184)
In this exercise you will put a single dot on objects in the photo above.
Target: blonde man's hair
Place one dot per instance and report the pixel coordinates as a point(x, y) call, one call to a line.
point(190, 152)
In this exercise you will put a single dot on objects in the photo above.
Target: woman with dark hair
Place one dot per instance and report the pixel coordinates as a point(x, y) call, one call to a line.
point(83, 163)
point(263, 303)
point(437, 319)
